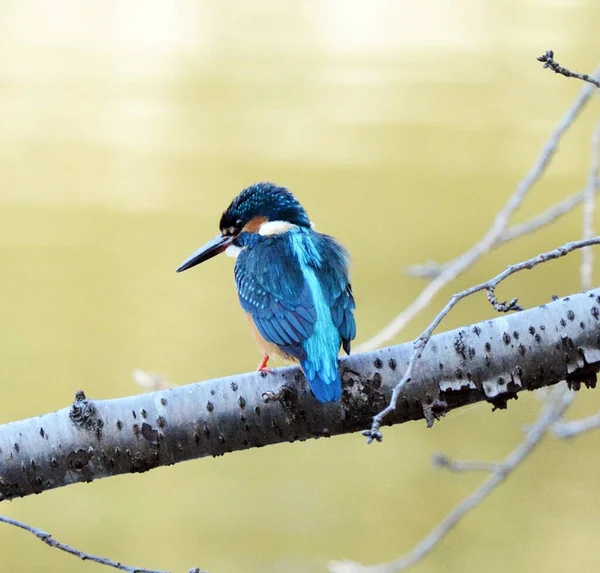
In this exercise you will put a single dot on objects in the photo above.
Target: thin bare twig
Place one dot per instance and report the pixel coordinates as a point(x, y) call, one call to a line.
point(459, 466)
point(550, 63)
point(550, 414)
point(420, 343)
point(431, 269)
point(49, 540)
point(499, 225)
point(589, 207)
point(566, 430)
point(550, 215)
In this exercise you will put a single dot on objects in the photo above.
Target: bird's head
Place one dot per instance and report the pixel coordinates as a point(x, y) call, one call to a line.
point(261, 209)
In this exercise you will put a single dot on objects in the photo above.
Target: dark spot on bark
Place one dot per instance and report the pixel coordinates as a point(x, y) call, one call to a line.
point(42, 433)
point(212, 392)
point(296, 378)
point(79, 459)
point(538, 338)
point(571, 315)
point(119, 425)
point(150, 433)
point(554, 297)
point(117, 451)
point(377, 380)
point(487, 361)
point(79, 396)
point(257, 410)
point(83, 413)
point(161, 422)
point(531, 330)
point(441, 366)
point(392, 364)
point(458, 373)
point(501, 381)
point(247, 427)
point(522, 350)
point(477, 330)
point(134, 414)
point(210, 406)
point(488, 347)
point(516, 335)
point(234, 386)
point(471, 352)
point(542, 327)
point(197, 438)
point(582, 325)
point(500, 402)
point(141, 462)
point(54, 462)
point(506, 338)
point(563, 322)
point(163, 401)
point(242, 402)
point(144, 413)
point(459, 345)
point(32, 463)
point(378, 363)
point(439, 408)
point(263, 374)
point(136, 430)
point(206, 430)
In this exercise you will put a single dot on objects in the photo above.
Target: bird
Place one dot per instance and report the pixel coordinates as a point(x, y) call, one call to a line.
point(292, 282)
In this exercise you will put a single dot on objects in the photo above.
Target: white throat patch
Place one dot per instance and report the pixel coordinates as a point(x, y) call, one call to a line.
point(274, 228)
point(233, 251)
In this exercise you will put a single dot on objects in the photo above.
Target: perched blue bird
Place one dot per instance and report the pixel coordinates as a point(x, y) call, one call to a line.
point(291, 281)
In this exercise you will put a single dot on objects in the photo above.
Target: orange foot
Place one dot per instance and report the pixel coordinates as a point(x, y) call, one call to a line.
point(262, 365)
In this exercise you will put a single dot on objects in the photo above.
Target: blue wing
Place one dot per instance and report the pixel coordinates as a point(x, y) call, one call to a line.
point(295, 287)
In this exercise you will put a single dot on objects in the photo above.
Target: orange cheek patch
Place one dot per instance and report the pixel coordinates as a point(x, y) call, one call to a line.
point(253, 225)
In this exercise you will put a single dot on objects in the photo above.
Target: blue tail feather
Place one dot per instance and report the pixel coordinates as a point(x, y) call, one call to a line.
point(324, 383)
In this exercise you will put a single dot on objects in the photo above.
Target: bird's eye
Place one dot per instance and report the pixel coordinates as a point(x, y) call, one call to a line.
point(238, 224)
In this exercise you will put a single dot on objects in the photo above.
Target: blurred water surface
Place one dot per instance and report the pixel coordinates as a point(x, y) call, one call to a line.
point(125, 130)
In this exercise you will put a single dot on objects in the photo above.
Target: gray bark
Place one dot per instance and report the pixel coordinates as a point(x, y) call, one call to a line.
point(492, 360)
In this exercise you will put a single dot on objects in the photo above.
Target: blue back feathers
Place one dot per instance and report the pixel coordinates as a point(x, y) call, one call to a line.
point(295, 286)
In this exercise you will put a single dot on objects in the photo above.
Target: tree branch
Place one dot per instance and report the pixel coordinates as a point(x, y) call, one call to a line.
point(420, 344)
point(567, 430)
point(589, 208)
point(550, 63)
point(492, 360)
point(49, 540)
point(460, 466)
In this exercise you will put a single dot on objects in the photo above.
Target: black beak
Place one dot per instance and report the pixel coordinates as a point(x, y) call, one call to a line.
point(206, 251)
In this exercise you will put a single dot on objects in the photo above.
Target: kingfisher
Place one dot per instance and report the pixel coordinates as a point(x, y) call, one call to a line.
point(291, 281)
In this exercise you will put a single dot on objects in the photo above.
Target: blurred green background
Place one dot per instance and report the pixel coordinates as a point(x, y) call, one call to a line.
point(127, 127)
